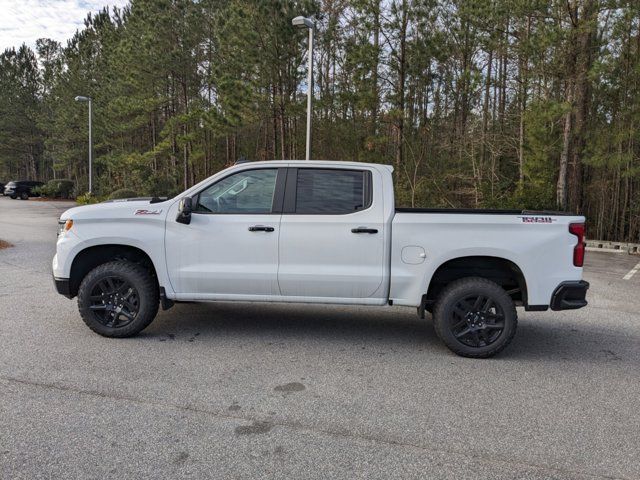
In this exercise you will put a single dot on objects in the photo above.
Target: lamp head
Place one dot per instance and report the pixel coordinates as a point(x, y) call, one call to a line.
point(302, 22)
point(80, 98)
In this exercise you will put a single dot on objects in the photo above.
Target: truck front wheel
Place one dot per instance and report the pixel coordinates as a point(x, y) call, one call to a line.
point(475, 317)
point(118, 299)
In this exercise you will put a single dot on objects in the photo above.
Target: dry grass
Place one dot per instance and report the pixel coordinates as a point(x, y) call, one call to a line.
point(4, 244)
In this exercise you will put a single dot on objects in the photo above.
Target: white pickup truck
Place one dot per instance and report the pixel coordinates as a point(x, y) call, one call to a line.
point(318, 232)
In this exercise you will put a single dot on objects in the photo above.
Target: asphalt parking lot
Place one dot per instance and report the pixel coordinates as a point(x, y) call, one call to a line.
point(288, 391)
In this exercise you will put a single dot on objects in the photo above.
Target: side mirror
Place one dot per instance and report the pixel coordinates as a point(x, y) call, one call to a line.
point(184, 211)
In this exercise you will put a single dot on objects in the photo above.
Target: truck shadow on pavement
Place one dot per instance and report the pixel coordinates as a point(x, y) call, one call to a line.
point(387, 329)
point(286, 322)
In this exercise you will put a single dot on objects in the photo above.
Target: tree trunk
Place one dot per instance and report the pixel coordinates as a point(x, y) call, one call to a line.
point(376, 66)
point(561, 189)
point(402, 74)
point(485, 107)
point(585, 30)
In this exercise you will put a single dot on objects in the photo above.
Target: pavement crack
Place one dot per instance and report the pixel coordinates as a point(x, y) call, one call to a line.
point(264, 426)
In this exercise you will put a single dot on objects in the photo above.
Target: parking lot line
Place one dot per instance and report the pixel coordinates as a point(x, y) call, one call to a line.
point(632, 272)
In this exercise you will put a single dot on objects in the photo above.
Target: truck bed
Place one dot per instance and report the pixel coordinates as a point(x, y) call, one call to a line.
point(538, 243)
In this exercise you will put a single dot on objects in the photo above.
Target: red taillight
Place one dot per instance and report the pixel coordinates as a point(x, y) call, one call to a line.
point(578, 229)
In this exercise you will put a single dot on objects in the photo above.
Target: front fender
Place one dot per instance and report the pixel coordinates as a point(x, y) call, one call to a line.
point(148, 240)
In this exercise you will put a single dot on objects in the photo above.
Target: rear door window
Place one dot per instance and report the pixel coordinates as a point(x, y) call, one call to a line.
point(331, 191)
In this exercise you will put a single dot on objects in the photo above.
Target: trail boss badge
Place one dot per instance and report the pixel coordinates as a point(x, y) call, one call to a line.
point(538, 219)
point(147, 212)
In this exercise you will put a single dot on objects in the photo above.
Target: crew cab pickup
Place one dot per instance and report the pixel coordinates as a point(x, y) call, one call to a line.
point(318, 232)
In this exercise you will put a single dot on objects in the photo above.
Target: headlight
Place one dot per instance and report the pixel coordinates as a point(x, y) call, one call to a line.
point(64, 226)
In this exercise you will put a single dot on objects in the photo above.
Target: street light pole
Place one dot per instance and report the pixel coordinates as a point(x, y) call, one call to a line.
point(90, 151)
point(309, 94)
point(302, 22)
point(88, 99)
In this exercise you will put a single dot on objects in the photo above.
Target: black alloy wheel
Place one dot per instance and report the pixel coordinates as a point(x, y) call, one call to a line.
point(114, 302)
point(477, 320)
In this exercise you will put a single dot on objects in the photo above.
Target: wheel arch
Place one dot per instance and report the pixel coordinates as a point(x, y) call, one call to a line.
point(500, 270)
point(93, 256)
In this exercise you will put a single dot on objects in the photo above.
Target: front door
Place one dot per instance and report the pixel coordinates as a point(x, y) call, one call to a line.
point(230, 248)
point(332, 235)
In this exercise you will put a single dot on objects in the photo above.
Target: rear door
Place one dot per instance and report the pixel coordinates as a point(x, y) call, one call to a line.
point(331, 234)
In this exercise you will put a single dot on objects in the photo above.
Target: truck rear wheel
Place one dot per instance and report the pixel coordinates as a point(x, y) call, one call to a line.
point(118, 299)
point(475, 317)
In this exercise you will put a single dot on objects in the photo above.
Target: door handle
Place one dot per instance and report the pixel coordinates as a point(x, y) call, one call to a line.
point(364, 230)
point(261, 228)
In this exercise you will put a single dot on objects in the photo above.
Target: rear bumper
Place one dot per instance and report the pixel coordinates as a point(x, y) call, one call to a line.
point(63, 286)
point(570, 295)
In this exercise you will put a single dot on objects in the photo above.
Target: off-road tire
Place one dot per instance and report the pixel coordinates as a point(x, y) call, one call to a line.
point(148, 298)
point(444, 317)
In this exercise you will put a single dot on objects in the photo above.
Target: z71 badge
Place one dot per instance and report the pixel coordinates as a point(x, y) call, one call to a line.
point(148, 212)
point(538, 219)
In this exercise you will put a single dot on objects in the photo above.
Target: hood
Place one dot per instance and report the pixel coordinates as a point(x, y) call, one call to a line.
point(118, 209)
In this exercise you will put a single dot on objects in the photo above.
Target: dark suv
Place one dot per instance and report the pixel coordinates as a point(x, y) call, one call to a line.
point(22, 189)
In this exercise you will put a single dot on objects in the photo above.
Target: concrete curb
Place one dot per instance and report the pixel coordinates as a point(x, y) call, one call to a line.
point(613, 247)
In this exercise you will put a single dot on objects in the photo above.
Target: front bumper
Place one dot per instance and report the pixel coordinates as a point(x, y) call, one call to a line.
point(570, 295)
point(63, 286)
